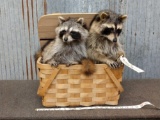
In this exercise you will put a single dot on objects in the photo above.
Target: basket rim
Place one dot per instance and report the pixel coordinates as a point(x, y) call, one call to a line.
point(48, 66)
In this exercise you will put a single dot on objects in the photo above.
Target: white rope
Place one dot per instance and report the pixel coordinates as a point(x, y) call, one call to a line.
point(99, 107)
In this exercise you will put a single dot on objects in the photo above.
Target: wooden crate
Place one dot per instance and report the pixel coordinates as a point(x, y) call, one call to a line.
point(68, 86)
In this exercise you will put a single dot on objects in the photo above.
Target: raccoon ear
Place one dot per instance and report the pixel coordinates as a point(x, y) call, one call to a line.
point(104, 15)
point(122, 18)
point(61, 19)
point(80, 21)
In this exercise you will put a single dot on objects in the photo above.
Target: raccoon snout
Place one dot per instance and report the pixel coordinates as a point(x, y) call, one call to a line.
point(115, 40)
point(65, 39)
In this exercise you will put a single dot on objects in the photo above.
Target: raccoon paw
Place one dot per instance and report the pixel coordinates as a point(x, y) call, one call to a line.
point(73, 63)
point(113, 64)
point(53, 63)
point(69, 64)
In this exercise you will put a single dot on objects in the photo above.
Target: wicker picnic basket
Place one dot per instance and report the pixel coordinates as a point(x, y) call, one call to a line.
point(68, 86)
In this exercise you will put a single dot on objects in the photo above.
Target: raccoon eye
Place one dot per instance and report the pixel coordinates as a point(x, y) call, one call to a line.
point(119, 31)
point(107, 31)
point(62, 33)
point(75, 35)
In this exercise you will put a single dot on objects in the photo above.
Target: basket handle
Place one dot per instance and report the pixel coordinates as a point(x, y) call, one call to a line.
point(114, 79)
point(42, 90)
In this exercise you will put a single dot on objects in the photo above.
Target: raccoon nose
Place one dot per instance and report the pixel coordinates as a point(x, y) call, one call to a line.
point(115, 40)
point(65, 39)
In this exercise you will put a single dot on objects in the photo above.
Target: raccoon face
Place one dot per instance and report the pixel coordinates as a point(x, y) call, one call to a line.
point(71, 30)
point(108, 24)
point(111, 32)
point(69, 36)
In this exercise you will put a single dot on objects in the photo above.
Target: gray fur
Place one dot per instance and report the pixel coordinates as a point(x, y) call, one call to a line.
point(70, 52)
point(100, 48)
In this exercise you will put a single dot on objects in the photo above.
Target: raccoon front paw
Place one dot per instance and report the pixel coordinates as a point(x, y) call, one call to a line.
point(69, 64)
point(113, 64)
point(53, 63)
point(73, 63)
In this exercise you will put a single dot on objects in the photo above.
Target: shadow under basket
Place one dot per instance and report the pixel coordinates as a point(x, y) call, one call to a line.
point(68, 86)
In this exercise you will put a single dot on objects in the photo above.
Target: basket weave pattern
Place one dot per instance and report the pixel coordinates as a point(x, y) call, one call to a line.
point(67, 86)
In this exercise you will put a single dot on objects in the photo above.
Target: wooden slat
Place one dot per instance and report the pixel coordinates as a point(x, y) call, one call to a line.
point(27, 41)
point(44, 42)
point(2, 35)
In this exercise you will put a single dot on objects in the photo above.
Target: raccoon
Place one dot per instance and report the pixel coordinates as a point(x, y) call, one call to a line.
point(69, 44)
point(103, 44)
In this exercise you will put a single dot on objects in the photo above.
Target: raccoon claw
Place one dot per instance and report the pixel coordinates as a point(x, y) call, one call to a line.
point(67, 65)
point(54, 65)
point(114, 65)
point(73, 63)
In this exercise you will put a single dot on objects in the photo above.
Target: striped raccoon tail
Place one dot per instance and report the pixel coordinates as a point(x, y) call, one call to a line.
point(88, 67)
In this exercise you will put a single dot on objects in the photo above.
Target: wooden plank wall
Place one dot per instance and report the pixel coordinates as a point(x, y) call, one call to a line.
point(19, 38)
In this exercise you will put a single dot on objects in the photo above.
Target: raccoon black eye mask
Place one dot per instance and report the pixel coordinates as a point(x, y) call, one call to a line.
point(62, 33)
point(119, 31)
point(74, 35)
point(108, 31)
